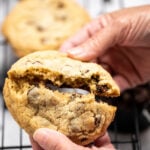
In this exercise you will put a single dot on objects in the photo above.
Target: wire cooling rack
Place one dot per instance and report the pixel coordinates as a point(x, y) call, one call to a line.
point(12, 137)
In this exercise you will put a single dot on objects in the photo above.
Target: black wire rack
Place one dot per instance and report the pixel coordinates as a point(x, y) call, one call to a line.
point(131, 129)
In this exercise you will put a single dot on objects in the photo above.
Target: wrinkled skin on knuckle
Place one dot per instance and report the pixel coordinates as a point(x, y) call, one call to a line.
point(136, 27)
point(120, 27)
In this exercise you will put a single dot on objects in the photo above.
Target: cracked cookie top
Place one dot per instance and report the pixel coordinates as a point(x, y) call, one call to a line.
point(62, 71)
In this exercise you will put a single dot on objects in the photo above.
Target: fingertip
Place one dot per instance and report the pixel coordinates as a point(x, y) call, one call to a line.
point(44, 132)
point(45, 137)
point(39, 134)
point(51, 139)
point(65, 47)
point(75, 53)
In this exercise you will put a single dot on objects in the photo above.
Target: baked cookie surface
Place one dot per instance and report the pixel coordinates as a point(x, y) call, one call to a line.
point(42, 24)
point(35, 102)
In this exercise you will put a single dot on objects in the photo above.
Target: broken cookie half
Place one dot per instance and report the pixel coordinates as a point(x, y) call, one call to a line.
point(48, 89)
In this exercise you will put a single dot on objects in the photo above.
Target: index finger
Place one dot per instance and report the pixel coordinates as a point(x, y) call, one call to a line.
point(84, 34)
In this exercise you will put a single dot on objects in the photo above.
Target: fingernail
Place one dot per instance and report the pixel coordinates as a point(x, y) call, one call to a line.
point(75, 51)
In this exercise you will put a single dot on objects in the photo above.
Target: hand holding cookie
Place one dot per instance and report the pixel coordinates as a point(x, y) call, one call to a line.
point(45, 139)
point(35, 94)
point(119, 40)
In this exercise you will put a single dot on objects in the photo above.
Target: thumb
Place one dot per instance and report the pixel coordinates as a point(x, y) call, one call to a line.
point(100, 42)
point(50, 140)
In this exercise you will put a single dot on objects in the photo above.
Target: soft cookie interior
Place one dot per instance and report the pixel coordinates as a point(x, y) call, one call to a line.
point(78, 116)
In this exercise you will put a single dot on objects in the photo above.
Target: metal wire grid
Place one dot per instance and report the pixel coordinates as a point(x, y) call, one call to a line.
point(5, 61)
point(133, 139)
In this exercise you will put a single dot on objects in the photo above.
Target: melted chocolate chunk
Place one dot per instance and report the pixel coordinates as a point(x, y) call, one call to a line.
point(97, 120)
point(41, 97)
point(33, 95)
point(35, 82)
point(101, 88)
point(49, 85)
point(95, 78)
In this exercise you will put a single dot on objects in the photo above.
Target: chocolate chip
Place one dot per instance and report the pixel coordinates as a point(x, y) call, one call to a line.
point(35, 81)
point(60, 5)
point(40, 28)
point(97, 120)
point(37, 62)
point(95, 78)
point(101, 88)
point(86, 71)
point(44, 40)
point(49, 85)
point(75, 95)
point(84, 139)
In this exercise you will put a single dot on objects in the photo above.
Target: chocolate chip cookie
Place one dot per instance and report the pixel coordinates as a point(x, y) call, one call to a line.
point(42, 24)
point(48, 89)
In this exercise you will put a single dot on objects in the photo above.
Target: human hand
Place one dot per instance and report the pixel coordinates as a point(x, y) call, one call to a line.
point(46, 139)
point(120, 41)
